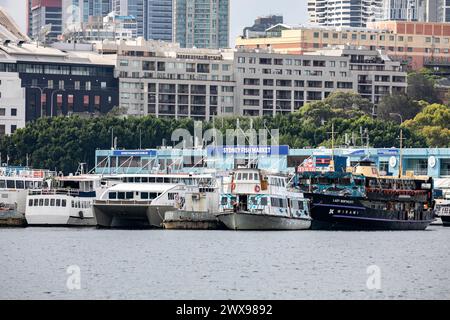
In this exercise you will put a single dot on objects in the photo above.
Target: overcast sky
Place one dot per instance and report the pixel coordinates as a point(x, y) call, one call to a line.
point(243, 12)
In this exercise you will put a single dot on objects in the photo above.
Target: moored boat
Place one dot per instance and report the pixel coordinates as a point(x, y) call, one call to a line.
point(364, 200)
point(254, 200)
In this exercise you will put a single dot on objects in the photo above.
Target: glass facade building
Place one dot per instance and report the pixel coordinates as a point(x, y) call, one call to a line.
point(202, 23)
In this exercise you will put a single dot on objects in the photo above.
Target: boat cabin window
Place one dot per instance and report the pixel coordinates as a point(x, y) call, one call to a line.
point(63, 203)
point(30, 202)
point(297, 204)
point(120, 195)
point(144, 179)
point(112, 195)
point(28, 184)
point(37, 184)
point(58, 202)
point(138, 180)
point(129, 195)
point(52, 202)
point(46, 202)
point(224, 201)
point(144, 195)
point(2, 184)
point(36, 202)
point(20, 184)
point(159, 180)
point(41, 202)
point(10, 184)
point(152, 179)
point(263, 201)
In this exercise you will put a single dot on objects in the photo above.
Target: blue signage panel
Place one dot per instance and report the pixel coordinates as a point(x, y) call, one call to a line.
point(387, 152)
point(134, 153)
point(249, 150)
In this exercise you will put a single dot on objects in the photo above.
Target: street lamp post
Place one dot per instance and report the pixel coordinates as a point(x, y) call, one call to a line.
point(51, 102)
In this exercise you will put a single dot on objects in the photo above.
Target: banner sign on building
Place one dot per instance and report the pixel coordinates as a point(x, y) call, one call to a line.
point(134, 153)
point(249, 150)
point(387, 152)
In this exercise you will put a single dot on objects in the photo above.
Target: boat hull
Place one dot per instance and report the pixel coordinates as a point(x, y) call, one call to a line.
point(248, 221)
point(445, 221)
point(144, 215)
point(11, 218)
point(344, 213)
point(191, 220)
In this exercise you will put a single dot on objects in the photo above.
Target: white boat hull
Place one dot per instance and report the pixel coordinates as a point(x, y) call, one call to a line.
point(250, 221)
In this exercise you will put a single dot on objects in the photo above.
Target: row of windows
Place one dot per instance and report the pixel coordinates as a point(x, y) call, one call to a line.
point(77, 85)
point(382, 37)
point(130, 195)
point(20, 184)
point(290, 62)
point(13, 112)
point(182, 66)
point(47, 203)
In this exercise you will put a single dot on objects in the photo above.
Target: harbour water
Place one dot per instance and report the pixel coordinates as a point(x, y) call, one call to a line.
point(158, 264)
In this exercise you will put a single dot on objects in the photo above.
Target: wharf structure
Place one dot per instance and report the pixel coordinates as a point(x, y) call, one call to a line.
point(433, 162)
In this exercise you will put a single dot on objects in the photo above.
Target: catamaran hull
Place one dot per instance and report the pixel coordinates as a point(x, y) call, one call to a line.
point(342, 213)
point(130, 216)
point(247, 221)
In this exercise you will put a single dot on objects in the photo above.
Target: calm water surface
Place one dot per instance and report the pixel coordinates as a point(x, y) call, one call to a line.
point(155, 264)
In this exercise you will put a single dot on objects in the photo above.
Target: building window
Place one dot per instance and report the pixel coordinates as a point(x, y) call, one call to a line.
point(13, 128)
point(2, 111)
point(103, 85)
point(316, 35)
point(13, 112)
point(88, 85)
point(77, 85)
point(50, 84)
point(61, 84)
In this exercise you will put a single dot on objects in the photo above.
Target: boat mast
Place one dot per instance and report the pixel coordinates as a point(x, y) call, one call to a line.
point(400, 166)
point(332, 148)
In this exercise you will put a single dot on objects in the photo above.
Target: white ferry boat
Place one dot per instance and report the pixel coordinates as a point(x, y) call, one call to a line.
point(254, 200)
point(67, 203)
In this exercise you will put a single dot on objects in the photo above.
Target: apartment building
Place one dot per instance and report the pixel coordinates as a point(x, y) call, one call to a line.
point(165, 80)
point(12, 99)
point(268, 83)
point(344, 13)
point(416, 44)
point(202, 23)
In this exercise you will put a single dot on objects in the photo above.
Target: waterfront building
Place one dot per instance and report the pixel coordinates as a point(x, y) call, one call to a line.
point(268, 83)
point(162, 79)
point(415, 44)
point(434, 162)
point(261, 25)
point(202, 23)
point(46, 12)
point(60, 83)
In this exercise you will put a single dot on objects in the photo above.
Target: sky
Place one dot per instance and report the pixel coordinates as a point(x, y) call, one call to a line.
point(243, 12)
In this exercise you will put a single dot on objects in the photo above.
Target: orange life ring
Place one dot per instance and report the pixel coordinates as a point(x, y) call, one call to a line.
point(257, 188)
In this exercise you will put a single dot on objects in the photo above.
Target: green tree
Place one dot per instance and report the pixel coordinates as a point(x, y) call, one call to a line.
point(421, 86)
point(398, 103)
point(433, 123)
